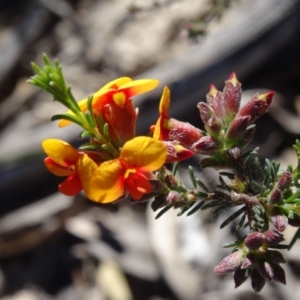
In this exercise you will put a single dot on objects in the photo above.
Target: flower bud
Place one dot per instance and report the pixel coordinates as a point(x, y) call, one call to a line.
point(273, 238)
point(276, 196)
point(257, 106)
point(237, 127)
point(231, 97)
point(229, 263)
point(211, 121)
point(257, 281)
point(185, 133)
point(280, 222)
point(173, 197)
point(285, 180)
point(206, 145)
point(215, 99)
point(176, 152)
point(254, 240)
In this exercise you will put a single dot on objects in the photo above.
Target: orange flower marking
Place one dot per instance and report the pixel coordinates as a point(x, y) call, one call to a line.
point(130, 173)
point(64, 160)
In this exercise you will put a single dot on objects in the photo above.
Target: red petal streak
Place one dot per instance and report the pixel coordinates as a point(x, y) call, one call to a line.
point(71, 186)
point(137, 184)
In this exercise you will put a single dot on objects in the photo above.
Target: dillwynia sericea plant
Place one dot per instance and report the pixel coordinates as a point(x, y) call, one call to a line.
point(116, 164)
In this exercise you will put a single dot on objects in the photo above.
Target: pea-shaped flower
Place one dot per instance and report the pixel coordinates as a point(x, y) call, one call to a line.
point(130, 173)
point(64, 160)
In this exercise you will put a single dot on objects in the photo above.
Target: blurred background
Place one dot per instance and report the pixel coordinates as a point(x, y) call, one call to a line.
point(58, 247)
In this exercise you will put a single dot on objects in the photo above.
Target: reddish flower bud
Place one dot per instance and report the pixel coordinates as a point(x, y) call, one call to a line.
point(280, 222)
point(276, 196)
point(185, 133)
point(273, 238)
point(257, 281)
point(206, 145)
point(176, 152)
point(237, 127)
point(254, 240)
point(215, 99)
point(211, 121)
point(275, 257)
point(171, 181)
point(231, 97)
point(239, 277)
point(229, 263)
point(257, 106)
point(279, 274)
point(173, 197)
point(266, 270)
point(285, 180)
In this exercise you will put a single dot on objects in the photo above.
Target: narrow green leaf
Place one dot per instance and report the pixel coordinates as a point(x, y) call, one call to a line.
point(233, 216)
point(175, 168)
point(192, 176)
point(201, 184)
point(229, 245)
point(161, 212)
point(195, 208)
point(66, 117)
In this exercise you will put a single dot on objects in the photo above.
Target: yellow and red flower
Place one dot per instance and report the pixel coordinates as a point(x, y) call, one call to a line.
point(184, 135)
point(64, 160)
point(113, 103)
point(130, 173)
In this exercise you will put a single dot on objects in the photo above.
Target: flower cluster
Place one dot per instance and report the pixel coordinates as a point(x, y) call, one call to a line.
point(114, 164)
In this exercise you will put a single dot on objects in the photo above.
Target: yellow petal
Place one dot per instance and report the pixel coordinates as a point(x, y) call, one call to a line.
point(107, 184)
point(60, 151)
point(57, 169)
point(164, 103)
point(145, 153)
point(157, 129)
point(118, 82)
point(85, 168)
point(138, 87)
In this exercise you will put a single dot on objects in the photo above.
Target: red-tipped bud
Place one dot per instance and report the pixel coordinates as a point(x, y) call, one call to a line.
point(254, 240)
point(257, 281)
point(215, 99)
point(206, 145)
point(285, 180)
point(229, 263)
point(237, 127)
point(257, 106)
point(211, 121)
point(185, 133)
point(176, 152)
point(276, 196)
point(273, 238)
point(231, 97)
point(280, 222)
